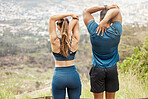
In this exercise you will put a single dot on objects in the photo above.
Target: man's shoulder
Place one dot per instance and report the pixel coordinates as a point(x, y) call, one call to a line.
point(117, 25)
point(92, 22)
point(92, 26)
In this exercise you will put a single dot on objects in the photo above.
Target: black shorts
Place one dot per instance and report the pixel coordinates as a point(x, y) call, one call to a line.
point(104, 79)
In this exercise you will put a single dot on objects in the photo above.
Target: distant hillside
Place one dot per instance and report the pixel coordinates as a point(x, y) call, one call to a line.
point(31, 0)
point(36, 3)
point(30, 3)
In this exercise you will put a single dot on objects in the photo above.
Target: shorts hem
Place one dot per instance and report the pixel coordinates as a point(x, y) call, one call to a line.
point(96, 92)
point(113, 91)
point(103, 91)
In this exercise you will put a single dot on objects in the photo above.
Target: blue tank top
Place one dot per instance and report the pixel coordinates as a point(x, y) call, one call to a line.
point(105, 48)
point(60, 57)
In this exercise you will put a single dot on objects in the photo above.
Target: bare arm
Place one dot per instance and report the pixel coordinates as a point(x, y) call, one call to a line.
point(87, 17)
point(52, 26)
point(113, 14)
point(74, 28)
point(55, 42)
point(75, 31)
point(75, 35)
point(60, 16)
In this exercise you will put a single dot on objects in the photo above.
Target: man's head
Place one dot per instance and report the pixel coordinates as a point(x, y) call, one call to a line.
point(102, 15)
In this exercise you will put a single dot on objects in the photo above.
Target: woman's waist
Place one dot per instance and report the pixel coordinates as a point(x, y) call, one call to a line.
point(64, 63)
point(68, 69)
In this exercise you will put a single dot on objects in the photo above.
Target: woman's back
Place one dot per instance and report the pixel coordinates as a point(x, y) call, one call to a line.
point(65, 75)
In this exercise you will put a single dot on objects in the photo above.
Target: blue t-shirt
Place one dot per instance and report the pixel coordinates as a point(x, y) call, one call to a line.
point(105, 48)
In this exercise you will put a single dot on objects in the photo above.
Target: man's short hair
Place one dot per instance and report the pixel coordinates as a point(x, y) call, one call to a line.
point(103, 13)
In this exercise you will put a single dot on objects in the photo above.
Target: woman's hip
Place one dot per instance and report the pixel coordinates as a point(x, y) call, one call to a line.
point(66, 76)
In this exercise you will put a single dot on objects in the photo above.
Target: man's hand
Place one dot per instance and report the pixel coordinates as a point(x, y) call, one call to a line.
point(112, 6)
point(102, 27)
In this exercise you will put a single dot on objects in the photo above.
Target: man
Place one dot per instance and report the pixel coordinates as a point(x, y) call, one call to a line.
point(104, 38)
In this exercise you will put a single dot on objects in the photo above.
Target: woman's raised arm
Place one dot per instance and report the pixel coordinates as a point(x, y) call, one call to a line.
point(74, 28)
point(52, 25)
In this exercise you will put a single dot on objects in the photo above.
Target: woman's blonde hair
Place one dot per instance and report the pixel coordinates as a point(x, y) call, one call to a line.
point(65, 46)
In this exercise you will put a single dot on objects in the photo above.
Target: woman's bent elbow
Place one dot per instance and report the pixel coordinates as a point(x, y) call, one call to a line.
point(51, 18)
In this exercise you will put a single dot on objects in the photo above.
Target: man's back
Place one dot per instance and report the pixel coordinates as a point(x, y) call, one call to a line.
point(105, 48)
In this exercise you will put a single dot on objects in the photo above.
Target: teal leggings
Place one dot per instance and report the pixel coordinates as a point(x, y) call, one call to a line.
point(66, 78)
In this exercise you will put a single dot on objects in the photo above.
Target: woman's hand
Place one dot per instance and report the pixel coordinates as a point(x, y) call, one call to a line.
point(75, 16)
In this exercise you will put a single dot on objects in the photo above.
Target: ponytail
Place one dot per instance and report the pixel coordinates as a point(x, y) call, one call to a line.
point(65, 46)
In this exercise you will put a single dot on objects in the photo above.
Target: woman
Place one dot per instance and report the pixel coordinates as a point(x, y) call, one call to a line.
point(103, 74)
point(64, 50)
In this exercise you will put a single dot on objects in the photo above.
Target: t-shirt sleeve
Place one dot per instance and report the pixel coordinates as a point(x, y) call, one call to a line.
point(92, 27)
point(118, 26)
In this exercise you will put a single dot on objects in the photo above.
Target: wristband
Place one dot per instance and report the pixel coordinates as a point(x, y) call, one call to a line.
point(105, 6)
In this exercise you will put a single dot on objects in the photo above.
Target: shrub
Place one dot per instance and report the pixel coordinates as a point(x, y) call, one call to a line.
point(138, 62)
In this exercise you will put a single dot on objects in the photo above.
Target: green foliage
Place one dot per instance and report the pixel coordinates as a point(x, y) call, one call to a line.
point(13, 44)
point(138, 62)
point(31, 62)
point(5, 94)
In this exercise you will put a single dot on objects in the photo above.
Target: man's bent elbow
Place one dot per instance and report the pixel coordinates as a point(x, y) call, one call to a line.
point(117, 11)
point(85, 11)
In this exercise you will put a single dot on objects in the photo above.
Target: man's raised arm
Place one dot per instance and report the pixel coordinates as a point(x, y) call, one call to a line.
point(87, 17)
point(113, 14)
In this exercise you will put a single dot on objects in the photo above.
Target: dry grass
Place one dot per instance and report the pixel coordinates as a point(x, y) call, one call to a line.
point(15, 82)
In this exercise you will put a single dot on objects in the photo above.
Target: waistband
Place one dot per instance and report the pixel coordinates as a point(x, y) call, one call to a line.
point(105, 66)
point(65, 69)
